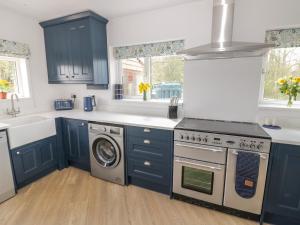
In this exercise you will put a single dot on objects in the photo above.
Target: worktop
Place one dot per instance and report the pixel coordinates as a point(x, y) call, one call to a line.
point(3, 126)
point(114, 118)
point(285, 135)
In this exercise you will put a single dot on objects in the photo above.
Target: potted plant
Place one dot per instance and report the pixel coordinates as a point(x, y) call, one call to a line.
point(143, 88)
point(289, 86)
point(5, 86)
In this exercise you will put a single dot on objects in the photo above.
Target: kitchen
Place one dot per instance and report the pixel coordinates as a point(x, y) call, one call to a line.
point(215, 90)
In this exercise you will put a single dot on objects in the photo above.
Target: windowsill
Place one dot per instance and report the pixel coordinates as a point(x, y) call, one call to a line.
point(20, 99)
point(148, 102)
point(279, 106)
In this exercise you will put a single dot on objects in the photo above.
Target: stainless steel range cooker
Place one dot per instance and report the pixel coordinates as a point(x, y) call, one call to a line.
point(205, 157)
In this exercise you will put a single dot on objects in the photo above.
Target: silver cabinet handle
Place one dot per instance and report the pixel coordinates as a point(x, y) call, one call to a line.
point(147, 142)
point(203, 148)
point(18, 153)
point(82, 124)
point(146, 130)
point(196, 164)
point(147, 163)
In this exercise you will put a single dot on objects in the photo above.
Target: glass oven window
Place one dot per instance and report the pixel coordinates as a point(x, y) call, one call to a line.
point(197, 180)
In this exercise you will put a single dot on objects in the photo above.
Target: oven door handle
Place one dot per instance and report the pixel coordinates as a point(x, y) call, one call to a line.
point(203, 148)
point(195, 164)
point(261, 155)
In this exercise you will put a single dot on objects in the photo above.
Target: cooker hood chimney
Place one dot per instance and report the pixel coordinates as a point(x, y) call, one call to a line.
point(221, 45)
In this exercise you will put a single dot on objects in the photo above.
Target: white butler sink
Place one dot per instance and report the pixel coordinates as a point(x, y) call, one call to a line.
point(28, 129)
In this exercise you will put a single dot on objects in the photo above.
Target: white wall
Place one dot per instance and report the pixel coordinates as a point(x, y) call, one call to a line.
point(192, 22)
point(16, 27)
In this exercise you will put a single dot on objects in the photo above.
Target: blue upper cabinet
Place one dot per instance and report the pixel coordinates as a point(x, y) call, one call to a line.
point(283, 187)
point(76, 49)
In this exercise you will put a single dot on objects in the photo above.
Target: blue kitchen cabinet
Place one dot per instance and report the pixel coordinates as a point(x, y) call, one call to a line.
point(149, 158)
point(34, 160)
point(76, 143)
point(76, 49)
point(282, 202)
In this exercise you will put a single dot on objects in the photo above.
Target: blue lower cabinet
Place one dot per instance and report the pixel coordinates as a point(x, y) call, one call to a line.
point(34, 160)
point(76, 143)
point(282, 203)
point(149, 158)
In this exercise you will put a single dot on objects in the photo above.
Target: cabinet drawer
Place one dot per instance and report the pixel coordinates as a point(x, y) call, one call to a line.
point(149, 133)
point(149, 149)
point(149, 170)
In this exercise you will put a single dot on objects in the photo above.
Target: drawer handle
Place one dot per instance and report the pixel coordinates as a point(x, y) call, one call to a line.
point(18, 153)
point(147, 163)
point(146, 130)
point(147, 142)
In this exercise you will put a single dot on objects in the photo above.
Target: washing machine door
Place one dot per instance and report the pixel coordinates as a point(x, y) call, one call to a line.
point(106, 151)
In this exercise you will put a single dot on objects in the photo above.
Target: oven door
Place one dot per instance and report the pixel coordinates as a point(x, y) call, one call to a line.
point(199, 180)
point(231, 198)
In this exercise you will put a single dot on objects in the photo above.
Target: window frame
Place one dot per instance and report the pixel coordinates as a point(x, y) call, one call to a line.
point(138, 98)
point(22, 76)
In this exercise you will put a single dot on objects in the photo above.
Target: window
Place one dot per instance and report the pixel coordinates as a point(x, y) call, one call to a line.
point(156, 64)
point(282, 61)
point(14, 70)
point(164, 73)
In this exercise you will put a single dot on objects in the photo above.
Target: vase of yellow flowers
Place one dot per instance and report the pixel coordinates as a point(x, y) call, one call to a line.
point(144, 88)
point(5, 86)
point(289, 86)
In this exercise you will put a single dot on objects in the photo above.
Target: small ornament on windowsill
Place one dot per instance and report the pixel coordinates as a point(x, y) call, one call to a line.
point(5, 86)
point(289, 86)
point(144, 88)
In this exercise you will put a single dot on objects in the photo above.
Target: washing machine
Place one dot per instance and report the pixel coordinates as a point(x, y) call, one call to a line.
point(107, 152)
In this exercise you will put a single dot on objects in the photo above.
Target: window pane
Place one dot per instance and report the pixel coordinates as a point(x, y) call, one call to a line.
point(281, 62)
point(164, 73)
point(133, 74)
point(8, 72)
point(166, 76)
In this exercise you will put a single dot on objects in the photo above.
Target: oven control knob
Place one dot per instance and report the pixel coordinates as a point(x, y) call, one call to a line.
point(193, 138)
point(205, 140)
point(252, 146)
point(199, 139)
point(187, 137)
point(181, 136)
point(242, 144)
point(260, 147)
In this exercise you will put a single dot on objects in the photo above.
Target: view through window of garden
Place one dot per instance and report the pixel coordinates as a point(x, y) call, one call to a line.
point(164, 73)
point(281, 62)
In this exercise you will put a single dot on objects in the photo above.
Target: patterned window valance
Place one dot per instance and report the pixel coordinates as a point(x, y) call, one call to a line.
point(147, 50)
point(284, 38)
point(14, 49)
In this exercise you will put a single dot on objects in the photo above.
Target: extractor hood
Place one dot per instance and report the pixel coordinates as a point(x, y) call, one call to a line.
point(221, 45)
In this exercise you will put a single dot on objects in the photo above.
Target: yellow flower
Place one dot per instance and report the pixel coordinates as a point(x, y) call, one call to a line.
point(287, 92)
point(281, 81)
point(143, 87)
point(296, 80)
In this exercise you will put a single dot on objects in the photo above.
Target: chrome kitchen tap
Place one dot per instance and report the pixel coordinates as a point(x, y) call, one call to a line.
point(13, 111)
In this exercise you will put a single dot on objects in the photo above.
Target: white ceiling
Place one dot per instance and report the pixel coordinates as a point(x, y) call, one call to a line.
point(48, 9)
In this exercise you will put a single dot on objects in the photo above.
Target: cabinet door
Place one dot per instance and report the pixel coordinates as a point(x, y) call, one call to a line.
point(26, 162)
point(80, 53)
point(48, 153)
point(57, 54)
point(283, 190)
point(77, 145)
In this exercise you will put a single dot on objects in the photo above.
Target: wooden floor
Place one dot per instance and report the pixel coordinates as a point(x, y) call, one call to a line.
point(74, 197)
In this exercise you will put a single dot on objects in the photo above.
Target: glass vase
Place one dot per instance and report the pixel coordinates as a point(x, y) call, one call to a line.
point(290, 101)
point(145, 96)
